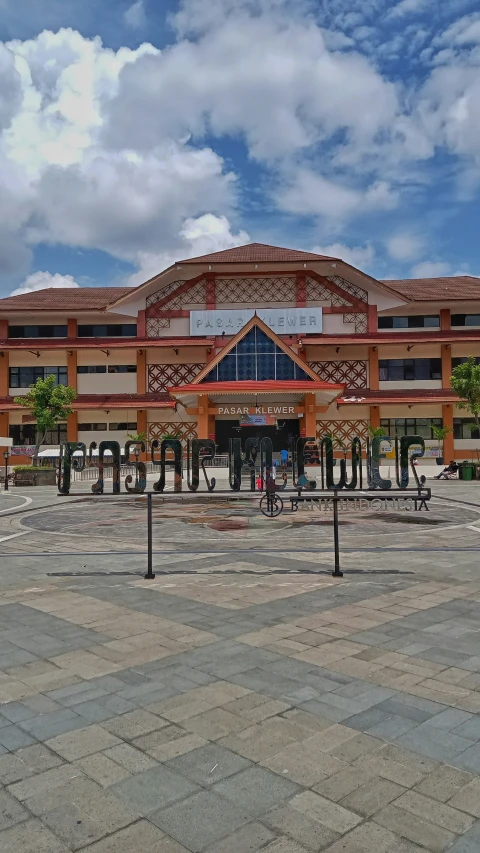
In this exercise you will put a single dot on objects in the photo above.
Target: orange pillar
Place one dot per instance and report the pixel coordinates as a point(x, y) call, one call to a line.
point(373, 368)
point(142, 427)
point(448, 441)
point(72, 368)
point(445, 319)
point(141, 372)
point(372, 319)
point(4, 425)
point(4, 373)
point(374, 416)
point(446, 365)
point(310, 416)
point(141, 324)
point(72, 327)
point(202, 423)
point(72, 427)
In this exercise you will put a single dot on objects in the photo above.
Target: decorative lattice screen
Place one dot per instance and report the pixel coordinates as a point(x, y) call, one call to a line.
point(182, 430)
point(271, 289)
point(352, 373)
point(163, 376)
point(344, 430)
point(154, 326)
point(360, 320)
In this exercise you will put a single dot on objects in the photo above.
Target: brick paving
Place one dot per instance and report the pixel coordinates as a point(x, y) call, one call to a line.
point(244, 700)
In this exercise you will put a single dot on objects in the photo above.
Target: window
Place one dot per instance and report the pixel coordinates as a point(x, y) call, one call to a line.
point(465, 428)
point(111, 330)
point(409, 369)
point(413, 322)
point(122, 368)
point(92, 427)
point(396, 427)
point(27, 434)
point(465, 320)
point(23, 377)
point(91, 368)
point(257, 358)
point(37, 331)
point(462, 360)
point(127, 427)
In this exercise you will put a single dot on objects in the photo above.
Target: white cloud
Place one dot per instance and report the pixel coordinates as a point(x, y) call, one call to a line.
point(431, 269)
point(42, 280)
point(358, 256)
point(408, 7)
point(404, 246)
point(198, 236)
point(308, 193)
point(135, 16)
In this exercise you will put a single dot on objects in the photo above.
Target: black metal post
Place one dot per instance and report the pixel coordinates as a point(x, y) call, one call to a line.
point(149, 576)
point(6, 471)
point(337, 573)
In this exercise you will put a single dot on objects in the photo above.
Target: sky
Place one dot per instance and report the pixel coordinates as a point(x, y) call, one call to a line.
point(134, 134)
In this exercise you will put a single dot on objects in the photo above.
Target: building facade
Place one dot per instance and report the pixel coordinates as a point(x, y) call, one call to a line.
point(248, 341)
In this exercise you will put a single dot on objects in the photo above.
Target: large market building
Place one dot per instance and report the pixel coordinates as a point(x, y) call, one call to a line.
point(252, 340)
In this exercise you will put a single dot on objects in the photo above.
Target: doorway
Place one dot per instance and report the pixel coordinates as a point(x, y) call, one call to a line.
point(282, 436)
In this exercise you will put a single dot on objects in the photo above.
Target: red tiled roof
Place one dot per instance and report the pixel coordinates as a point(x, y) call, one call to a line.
point(65, 298)
point(435, 289)
point(110, 401)
point(421, 337)
point(257, 253)
point(95, 343)
point(249, 387)
point(363, 396)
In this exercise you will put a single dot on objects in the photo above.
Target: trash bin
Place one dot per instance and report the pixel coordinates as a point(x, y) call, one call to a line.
point(468, 472)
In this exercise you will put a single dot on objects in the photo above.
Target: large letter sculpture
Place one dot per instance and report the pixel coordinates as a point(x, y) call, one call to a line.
point(206, 448)
point(375, 481)
point(140, 467)
point(406, 441)
point(176, 445)
point(65, 464)
point(114, 448)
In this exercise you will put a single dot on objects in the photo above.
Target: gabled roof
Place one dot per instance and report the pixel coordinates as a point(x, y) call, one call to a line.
point(65, 298)
point(257, 253)
point(255, 321)
point(455, 287)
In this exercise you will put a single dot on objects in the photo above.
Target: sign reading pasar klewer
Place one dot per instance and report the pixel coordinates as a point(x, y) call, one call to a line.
point(283, 321)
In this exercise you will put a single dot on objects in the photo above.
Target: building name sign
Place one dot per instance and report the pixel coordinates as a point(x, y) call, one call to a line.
point(283, 321)
point(256, 410)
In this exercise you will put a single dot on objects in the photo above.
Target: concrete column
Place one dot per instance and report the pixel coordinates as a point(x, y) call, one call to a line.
point(141, 324)
point(374, 416)
point(141, 372)
point(202, 423)
point(446, 365)
point(72, 327)
point(142, 426)
point(373, 372)
point(448, 441)
point(72, 427)
point(310, 416)
point(445, 320)
point(4, 424)
point(4, 373)
point(3, 329)
point(72, 369)
point(372, 318)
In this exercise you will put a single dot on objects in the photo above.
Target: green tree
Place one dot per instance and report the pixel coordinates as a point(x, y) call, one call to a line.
point(440, 433)
point(48, 403)
point(465, 381)
point(376, 432)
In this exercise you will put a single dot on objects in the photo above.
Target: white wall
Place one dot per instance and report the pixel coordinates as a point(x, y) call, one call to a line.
point(107, 383)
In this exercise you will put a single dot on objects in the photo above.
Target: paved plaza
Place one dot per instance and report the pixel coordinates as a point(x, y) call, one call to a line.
point(243, 700)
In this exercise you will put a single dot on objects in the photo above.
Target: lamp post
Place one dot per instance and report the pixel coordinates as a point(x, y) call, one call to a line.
point(5, 456)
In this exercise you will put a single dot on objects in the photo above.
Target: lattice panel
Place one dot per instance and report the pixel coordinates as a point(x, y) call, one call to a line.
point(182, 430)
point(344, 430)
point(195, 295)
point(275, 289)
point(163, 293)
point(356, 291)
point(317, 292)
point(352, 373)
point(163, 376)
point(155, 325)
point(360, 321)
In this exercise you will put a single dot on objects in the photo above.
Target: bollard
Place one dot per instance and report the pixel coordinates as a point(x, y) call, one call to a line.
point(149, 576)
point(337, 573)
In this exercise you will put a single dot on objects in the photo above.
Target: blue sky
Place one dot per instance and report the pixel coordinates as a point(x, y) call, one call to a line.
point(136, 133)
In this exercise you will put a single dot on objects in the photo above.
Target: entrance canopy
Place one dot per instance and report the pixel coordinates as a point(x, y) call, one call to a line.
point(256, 362)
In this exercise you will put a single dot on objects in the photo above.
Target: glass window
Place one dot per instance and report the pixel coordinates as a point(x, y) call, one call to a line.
point(465, 320)
point(91, 368)
point(37, 331)
point(463, 360)
point(465, 428)
point(23, 377)
point(122, 368)
point(413, 322)
point(396, 427)
point(409, 369)
point(256, 358)
point(110, 330)
point(127, 427)
point(92, 427)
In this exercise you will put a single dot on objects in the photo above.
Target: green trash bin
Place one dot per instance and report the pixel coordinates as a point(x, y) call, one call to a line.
point(468, 472)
